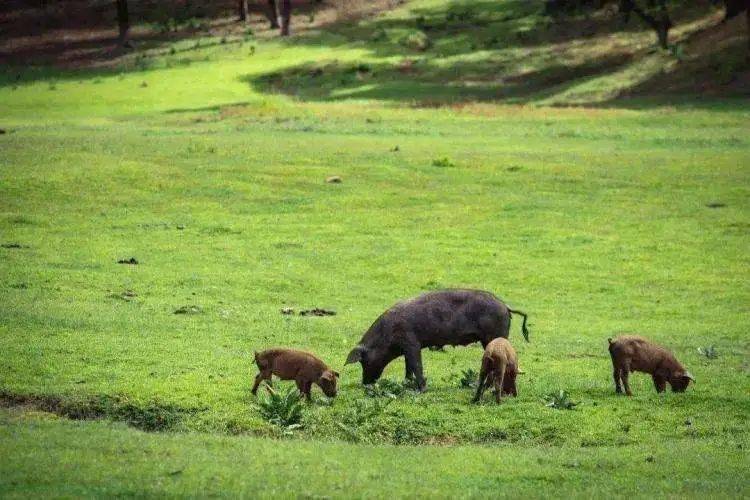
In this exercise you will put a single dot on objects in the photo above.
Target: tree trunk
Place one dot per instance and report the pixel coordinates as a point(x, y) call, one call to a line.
point(661, 23)
point(286, 14)
point(242, 10)
point(273, 14)
point(123, 20)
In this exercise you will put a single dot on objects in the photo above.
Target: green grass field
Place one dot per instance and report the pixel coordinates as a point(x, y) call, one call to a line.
point(629, 217)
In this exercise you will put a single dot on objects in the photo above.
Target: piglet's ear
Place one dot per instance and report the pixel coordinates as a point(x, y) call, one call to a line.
point(336, 374)
point(689, 376)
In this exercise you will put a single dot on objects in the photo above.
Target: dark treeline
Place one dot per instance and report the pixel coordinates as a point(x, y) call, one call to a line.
point(279, 13)
point(654, 13)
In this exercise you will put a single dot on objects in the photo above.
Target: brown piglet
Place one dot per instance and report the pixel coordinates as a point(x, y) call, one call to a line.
point(303, 367)
point(499, 367)
point(633, 353)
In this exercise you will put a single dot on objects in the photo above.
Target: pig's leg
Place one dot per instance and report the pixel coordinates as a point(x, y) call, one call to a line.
point(409, 374)
point(660, 383)
point(413, 355)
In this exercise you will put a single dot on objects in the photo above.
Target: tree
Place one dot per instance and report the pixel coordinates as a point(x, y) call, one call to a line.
point(283, 14)
point(655, 14)
point(735, 8)
point(242, 10)
point(123, 19)
point(273, 14)
point(286, 14)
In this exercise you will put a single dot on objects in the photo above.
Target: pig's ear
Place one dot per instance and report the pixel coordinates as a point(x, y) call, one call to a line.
point(355, 355)
point(688, 375)
point(336, 374)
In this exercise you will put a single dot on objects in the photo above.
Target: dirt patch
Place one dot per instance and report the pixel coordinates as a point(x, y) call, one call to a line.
point(126, 295)
point(189, 309)
point(152, 416)
point(289, 311)
point(317, 312)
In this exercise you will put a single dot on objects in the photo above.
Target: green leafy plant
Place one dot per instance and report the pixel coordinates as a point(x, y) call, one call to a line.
point(559, 400)
point(468, 378)
point(385, 388)
point(443, 162)
point(709, 351)
point(357, 420)
point(282, 408)
point(416, 40)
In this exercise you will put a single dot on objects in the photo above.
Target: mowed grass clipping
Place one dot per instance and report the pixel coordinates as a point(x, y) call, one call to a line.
point(593, 221)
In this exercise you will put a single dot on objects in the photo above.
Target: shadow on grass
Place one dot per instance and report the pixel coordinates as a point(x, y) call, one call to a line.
point(151, 416)
point(425, 83)
point(499, 51)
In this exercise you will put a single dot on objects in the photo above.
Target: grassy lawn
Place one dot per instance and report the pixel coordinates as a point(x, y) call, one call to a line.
point(71, 459)
point(594, 220)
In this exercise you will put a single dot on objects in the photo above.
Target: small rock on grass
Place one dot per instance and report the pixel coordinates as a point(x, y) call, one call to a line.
point(334, 179)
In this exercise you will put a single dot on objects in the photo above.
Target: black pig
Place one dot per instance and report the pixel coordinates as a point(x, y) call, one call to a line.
point(444, 317)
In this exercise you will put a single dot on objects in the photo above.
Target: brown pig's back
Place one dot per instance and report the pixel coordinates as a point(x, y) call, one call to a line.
point(288, 363)
point(500, 348)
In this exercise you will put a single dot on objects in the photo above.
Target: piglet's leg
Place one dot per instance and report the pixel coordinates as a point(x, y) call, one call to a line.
point(660, 383)
point(260, 378)
point(480, 384)
point(302, 387)
point(499, 380)
point(616, 376)
point(625, 375)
